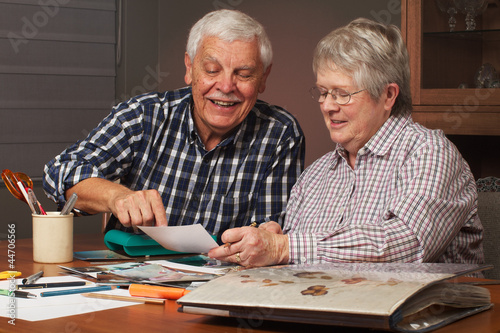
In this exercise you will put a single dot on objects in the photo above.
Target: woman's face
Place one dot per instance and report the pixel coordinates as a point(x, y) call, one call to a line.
point(353, 124)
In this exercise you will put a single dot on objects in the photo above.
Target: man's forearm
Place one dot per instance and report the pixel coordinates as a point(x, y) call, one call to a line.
point(95, 194)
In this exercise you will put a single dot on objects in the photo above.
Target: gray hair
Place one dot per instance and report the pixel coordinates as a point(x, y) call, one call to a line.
point(373, 54)
point(230, 25)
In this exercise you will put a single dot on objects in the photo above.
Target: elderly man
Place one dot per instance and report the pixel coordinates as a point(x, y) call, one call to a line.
point(211, 153)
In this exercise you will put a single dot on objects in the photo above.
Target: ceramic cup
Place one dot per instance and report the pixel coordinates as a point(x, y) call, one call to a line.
point(52, 238)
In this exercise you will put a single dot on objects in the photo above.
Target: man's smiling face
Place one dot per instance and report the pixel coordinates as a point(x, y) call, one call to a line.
point(226, 78)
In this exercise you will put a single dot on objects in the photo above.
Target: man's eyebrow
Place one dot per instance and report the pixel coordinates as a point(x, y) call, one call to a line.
point(241, 68)
point(210, 59)
point(246, 67)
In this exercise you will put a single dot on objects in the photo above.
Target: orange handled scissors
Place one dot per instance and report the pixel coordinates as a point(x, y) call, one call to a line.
point(13, 181)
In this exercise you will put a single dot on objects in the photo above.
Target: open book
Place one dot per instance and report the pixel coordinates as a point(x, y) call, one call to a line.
point(399, 297)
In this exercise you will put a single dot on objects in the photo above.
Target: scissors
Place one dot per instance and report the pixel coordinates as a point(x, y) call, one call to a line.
point(14, 181)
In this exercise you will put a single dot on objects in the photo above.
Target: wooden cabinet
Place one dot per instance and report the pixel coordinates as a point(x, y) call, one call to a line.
point(444, 65)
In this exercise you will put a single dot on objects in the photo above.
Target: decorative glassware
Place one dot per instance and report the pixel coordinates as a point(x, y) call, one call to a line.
point(486, 77)
point(471, 9)
point(448, 6)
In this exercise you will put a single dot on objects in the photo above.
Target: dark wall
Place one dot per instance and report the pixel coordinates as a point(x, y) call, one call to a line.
point(152, 45)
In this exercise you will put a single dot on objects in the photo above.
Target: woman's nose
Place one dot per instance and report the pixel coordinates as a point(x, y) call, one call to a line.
point(329, 104)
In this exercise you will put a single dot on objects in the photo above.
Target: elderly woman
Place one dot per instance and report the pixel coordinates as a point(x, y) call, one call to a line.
point(391, 190)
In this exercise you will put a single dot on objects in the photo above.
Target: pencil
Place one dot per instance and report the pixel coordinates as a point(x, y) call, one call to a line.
point(74, 291)
point(253, 224)
point(125, 298)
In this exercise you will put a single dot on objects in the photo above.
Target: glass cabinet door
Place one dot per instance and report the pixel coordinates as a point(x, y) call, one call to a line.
point(454, 48)
point(460, 44)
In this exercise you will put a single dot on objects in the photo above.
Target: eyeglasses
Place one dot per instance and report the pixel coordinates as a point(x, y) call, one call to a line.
point(340, 96)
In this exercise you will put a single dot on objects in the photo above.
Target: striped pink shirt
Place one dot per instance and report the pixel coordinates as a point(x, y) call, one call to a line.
point(410, 198)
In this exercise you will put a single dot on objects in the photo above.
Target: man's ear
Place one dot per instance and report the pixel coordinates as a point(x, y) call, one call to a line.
point(262, 86)
point(188, 78)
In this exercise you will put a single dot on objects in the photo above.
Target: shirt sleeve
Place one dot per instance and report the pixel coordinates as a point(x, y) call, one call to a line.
point(107, 152)
point(436, 198)
point(284, 169)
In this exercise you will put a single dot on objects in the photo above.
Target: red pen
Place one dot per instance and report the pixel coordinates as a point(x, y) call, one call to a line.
point(144, 290)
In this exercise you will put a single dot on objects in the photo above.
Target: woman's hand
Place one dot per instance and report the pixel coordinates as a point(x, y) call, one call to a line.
point(253, 247)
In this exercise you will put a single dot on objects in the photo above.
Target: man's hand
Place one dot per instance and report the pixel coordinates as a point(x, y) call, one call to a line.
point(132, 208)
point(139, 208)
point(253, 247)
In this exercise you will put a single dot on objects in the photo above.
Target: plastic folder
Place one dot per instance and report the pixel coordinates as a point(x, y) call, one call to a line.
point(134, 244)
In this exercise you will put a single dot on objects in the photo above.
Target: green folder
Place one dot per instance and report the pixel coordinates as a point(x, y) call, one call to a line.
point(133, 244)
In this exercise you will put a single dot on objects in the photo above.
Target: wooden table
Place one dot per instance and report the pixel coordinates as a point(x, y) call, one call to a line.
point(159, 318)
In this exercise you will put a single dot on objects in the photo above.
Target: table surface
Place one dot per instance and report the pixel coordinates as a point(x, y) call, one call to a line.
point(159, 318)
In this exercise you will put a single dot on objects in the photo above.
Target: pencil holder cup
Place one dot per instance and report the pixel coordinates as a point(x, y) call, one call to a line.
point(52, 238)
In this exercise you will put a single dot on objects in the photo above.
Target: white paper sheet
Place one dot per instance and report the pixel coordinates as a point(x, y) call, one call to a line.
point(42, 308)
point(190, 268)
point(185, 238)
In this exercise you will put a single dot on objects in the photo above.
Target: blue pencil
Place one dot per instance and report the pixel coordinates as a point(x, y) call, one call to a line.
point(74, 291)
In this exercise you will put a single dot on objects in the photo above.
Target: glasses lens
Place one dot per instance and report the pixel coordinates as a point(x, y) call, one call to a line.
point(316, 94)
point(343, 97)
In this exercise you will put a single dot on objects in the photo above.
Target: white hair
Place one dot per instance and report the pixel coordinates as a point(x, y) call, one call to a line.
point(373, 54)
point(230, 25)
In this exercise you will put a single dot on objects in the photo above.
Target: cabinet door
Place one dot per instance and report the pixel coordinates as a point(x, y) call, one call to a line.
point(448, 66)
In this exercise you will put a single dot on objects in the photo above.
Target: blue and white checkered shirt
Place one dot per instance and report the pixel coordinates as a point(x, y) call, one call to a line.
point(150, 142)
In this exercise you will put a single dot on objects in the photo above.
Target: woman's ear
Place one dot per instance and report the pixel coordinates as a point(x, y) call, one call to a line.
point(391, 92)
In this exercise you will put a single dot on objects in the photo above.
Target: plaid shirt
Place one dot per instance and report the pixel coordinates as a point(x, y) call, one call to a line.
point(410, 198)
point(150, 142)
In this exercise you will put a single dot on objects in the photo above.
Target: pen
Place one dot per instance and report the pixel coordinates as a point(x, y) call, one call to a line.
point(69, 204)
point(143, 290)
point(17, 293)
point(125, 298)
point(74, 291)
point(253, 224)
point(36, 204)
point(34, 201)
point(32, 278)
point(53, 285)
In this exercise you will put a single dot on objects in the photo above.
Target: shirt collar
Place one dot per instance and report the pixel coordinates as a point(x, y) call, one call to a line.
point(382, 141)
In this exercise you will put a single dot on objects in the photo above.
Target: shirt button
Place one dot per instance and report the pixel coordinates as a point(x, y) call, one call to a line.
point(206, 160)
point(303, 260)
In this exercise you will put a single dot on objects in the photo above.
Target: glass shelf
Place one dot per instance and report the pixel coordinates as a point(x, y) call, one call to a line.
point(474, 34)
